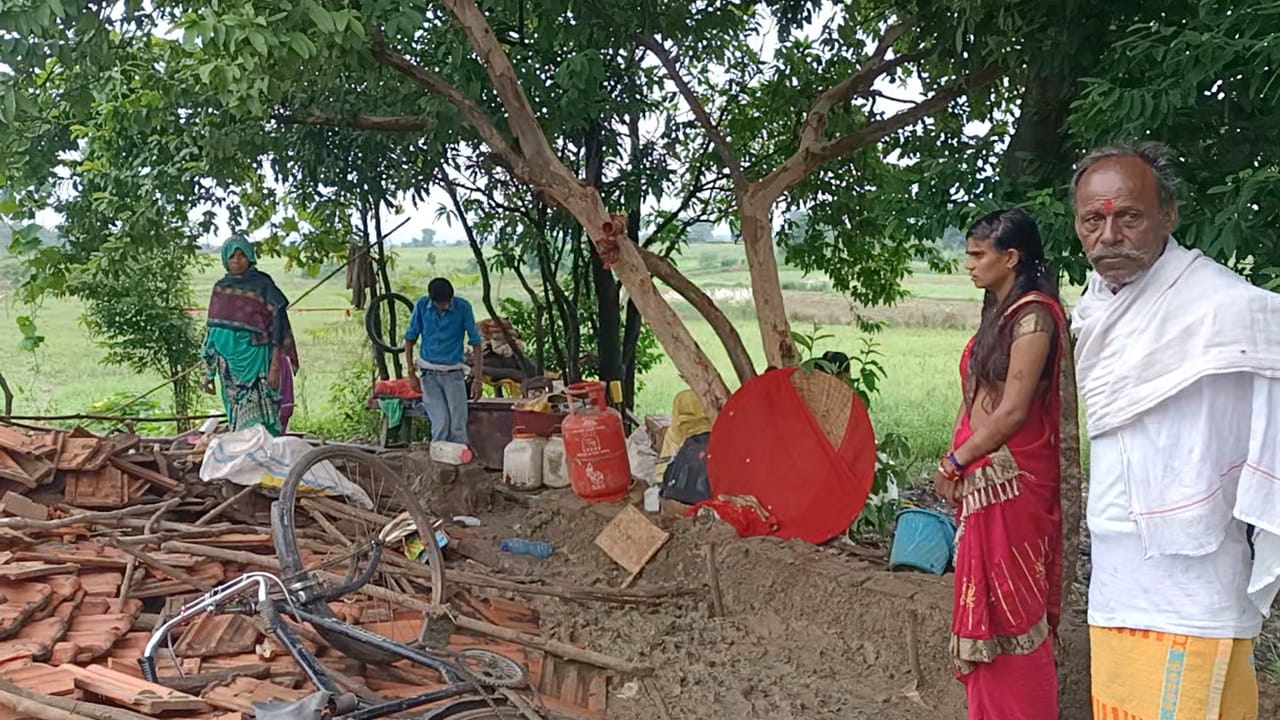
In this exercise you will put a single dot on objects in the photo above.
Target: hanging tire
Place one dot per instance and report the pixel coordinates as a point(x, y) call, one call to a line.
point(391, 300)
point(391, 495)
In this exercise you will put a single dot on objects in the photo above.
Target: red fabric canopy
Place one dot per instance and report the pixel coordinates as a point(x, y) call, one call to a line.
point(766, 443)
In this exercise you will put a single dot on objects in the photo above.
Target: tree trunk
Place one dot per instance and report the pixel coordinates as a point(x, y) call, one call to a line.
point(486, 285)
point(630, 345)
point(539, 332)
point(385, 277)
point(766, 288)
point(608, 304)
point(379, 358)
point(610, 240)
point(536, 164)
point(568, 313)
point(662, 269)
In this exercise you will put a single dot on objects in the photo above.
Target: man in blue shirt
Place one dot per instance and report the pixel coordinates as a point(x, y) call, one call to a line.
point(442, 321)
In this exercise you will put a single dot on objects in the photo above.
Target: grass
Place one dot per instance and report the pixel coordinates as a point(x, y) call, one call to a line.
point(919, 350)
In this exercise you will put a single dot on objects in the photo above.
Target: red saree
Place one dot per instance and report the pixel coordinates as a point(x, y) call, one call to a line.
point(1008, 585)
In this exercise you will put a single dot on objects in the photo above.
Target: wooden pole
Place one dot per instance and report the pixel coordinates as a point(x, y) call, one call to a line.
point(713, 580)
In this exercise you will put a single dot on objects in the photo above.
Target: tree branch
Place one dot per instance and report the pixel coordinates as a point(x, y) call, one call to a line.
point(718, 139)
point(662, 269)
point(472, 114)
point(807, 159)
point(815, 121)
point(383, 123)
point(520, 115)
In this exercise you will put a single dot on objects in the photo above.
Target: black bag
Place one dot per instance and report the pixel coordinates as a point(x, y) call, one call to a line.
point(686, 477)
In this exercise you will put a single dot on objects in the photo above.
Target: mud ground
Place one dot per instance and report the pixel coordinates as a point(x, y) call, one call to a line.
point(808, 633)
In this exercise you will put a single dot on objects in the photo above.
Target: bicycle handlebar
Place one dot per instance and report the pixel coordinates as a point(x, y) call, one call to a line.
point(207, 602)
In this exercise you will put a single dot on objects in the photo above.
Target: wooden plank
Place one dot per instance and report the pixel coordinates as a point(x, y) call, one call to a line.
point(631, 539)
point(137, 694)
point(32, 569)
point(142, 473)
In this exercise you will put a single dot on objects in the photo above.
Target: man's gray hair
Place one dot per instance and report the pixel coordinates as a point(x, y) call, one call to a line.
point(1158, 156)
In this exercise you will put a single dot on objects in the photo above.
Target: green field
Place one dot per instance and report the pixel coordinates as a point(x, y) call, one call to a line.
point(920, 346)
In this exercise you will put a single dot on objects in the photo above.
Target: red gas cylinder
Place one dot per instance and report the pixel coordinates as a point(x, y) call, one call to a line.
point(596, 448)
point(594, 389)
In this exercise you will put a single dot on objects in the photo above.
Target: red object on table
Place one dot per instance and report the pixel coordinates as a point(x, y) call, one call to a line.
point(765, 443)
point(403, 388)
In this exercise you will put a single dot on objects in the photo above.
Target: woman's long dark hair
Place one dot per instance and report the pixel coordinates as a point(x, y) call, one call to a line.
point(1007, 230)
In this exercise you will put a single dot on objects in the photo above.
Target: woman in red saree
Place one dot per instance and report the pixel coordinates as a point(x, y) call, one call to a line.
point(1004, 473)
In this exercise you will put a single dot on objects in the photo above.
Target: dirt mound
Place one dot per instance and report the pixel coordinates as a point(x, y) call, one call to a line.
point(808, 632)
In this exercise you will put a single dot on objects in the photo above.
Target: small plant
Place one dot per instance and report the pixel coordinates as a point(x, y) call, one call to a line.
point(864, 372)
point(893, 471)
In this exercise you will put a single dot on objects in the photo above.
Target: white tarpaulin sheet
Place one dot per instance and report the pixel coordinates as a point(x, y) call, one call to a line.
point(254, 457)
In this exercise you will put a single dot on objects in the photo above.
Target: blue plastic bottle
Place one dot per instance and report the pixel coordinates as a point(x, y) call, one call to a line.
point(533, 548)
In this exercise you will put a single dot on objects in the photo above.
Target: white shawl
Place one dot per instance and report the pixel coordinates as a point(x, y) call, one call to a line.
point(1186, 319)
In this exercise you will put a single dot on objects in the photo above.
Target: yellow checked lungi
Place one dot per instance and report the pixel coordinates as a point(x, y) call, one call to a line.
point(1144, 675)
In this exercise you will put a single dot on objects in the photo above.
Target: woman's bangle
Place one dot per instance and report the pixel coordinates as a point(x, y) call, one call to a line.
point(955, 461)
point(949, 469)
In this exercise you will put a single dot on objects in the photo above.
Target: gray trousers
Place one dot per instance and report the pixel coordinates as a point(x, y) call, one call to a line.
point(445, 395)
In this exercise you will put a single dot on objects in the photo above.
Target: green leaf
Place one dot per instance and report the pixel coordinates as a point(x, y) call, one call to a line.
point(56, 7)
point(8, 106)
point(259, 42)
point(301, 45)
point(26, 238)
point(9, 204)
point(31, 339)
point(321, 18)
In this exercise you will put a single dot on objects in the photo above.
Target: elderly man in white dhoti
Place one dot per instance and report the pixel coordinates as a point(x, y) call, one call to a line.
point(1178, 360)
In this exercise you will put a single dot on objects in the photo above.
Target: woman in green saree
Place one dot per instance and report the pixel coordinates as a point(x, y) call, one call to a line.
point(249, 343)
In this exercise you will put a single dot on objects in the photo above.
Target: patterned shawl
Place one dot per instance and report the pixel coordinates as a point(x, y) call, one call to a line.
point(251, 302)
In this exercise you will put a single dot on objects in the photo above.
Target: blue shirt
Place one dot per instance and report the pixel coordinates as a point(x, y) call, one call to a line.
point(442, 332)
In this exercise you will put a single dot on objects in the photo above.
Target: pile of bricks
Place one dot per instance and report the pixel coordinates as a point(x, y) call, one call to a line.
point(93, 472)
point(83, 585)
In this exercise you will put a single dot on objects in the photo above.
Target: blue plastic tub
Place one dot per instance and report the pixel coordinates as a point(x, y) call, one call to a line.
point(923, 540)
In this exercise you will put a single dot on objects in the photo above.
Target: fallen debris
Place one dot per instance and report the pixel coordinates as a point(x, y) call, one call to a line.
point(102, 539)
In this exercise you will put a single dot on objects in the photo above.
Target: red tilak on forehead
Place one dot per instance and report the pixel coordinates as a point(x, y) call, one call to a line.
point(1107, 205)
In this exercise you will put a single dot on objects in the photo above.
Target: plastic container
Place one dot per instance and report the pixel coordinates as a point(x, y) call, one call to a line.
point(923, 540)
point(450, 453)
point(522, 462)
point(653, 499)
point(555, 473)
point(532, 548)
point(596, 448)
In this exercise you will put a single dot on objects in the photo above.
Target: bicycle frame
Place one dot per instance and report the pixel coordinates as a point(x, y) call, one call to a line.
point(345, 705)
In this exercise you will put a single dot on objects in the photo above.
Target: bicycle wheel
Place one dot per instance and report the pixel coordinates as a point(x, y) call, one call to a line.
point(386, 320)
point(348, 528)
